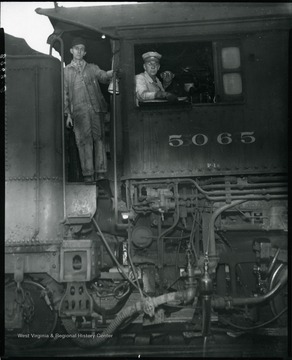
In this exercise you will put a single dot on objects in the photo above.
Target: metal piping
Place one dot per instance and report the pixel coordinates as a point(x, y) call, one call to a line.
point(273, 262)
point(223, 303)
point(160, 237)
point(211, 245)
point(241, 186)
point(148, 306)
point(274, 277)
point(119, 266)
point(217, 195)
point(63, 122)
point(267, 296)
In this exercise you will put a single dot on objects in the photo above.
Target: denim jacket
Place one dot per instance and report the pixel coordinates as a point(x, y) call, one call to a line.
point(91, 74)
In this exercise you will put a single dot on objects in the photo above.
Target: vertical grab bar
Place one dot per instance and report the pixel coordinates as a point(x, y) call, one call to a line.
point(114, 103)
point(37, 149)
point(62, 116)
point(115, 148)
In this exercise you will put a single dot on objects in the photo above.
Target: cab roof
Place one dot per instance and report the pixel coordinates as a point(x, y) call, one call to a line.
point(118, 21)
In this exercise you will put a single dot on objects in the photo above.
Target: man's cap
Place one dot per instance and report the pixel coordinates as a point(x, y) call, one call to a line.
point(151, 55)
point(78, 41)
point(169, 72)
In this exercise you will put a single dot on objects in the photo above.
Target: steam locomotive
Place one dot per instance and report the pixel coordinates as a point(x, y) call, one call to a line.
point(191, 231)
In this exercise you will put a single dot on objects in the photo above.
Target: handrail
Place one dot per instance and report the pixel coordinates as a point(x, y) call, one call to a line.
point(115, 148)
point(62, 117)
point(114, 109)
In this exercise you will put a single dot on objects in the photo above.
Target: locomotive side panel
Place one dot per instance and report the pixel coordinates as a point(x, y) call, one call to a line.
point(218, 137)
point(267, 59)
point(169, 253)
point(33, 149)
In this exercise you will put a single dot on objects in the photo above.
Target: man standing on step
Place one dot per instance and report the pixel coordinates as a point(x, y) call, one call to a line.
point(85, 108)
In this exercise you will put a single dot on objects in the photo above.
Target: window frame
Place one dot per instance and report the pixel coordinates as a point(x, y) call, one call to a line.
point(219, 71)
point(217, 45)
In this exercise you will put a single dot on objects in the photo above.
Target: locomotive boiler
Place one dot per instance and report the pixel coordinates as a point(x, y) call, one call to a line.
point(190, 232)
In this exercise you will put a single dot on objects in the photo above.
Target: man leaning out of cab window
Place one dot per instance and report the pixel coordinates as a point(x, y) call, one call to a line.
point(148, 86)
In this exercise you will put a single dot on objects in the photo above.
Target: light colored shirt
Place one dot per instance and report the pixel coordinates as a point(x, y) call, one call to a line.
point(146, 87)
point(81, 87)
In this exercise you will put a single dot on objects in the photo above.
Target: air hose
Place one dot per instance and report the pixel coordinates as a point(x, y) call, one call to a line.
point(147, 305)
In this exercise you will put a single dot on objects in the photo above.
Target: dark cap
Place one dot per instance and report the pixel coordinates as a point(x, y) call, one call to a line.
point(78, 41)
point(168, 72)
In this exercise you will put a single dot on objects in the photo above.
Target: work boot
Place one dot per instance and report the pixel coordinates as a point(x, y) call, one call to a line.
point(98, 176)
point(88, 179)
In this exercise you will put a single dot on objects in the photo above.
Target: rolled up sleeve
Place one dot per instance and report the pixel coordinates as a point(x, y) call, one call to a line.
point(101, 75)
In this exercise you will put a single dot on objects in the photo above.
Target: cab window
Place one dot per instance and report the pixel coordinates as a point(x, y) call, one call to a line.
point(205, 72)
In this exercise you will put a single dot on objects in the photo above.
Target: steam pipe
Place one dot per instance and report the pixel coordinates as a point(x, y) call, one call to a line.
point(273, 279)
point(223, 303)
point(206, 287)
point(215, 195)
point(111, 254)
point(211, 245)
point(247, 191)
point(249, 197)
point(206, 315)
point(241, 186)
point(160, 237)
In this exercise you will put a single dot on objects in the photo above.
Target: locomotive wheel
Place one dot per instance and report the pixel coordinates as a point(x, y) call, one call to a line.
point(280, 301)
point(33, 320)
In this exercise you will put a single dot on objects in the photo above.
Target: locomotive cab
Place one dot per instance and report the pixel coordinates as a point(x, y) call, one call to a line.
point(190, 238)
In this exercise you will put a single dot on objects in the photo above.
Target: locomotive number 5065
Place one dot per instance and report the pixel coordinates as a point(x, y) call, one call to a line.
point(245, 137)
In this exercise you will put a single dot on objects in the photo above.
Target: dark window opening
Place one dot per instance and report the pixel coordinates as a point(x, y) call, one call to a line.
point(192, 64)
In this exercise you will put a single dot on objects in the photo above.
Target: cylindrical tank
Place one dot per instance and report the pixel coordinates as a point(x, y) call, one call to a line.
point(33, 149)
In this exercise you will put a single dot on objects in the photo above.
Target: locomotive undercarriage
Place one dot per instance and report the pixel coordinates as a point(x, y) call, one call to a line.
point(196, 255)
